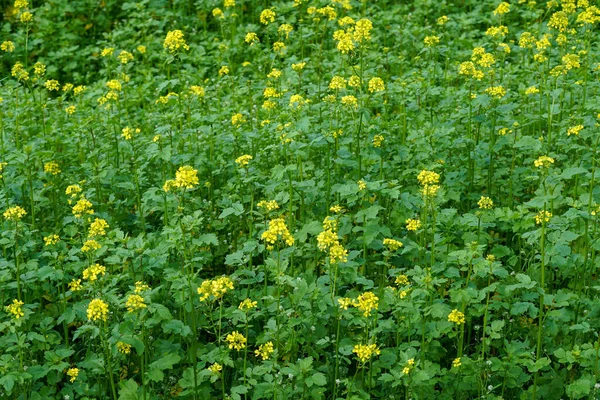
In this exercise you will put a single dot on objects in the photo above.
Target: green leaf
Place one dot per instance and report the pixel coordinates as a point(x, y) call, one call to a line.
point(129, 390)
point(319, 379)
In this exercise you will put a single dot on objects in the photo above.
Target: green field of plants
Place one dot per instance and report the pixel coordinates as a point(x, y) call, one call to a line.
point(299, 199)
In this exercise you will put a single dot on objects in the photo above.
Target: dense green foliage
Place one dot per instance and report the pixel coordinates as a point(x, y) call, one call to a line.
point(299, 199)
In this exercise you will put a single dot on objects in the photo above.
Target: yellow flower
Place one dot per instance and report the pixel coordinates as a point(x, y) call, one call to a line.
point(97, 310)
point(574, 130)
point(485, 203)
point(107, 52)
point(456, 363)
point(502, 8)
point(72, 373)
point(125, 57)
point(277, 230)
point(426, 177)
point(19, 72)
point(14, 213)
point(251, 38)
point(297, 101)
point(216, 288)
point(413, 224)
point(175, 41)
point(51, 239)
point(274, 74)
point(366, 302)
point(559, 21)
point(264, 351)
point(243, 161)
point(52, 168)
point(364, 352)
point(362, 30)
point(218, 13)
point(90, 245)
point(362, 185)
point(442, 20)
point(247, 305)
point(75, 285)
point(215, 368)
point(531, 90)
point(378, 140)
point(229, 3)
point(135, 302)
point(299, 66)
point(344, 39)
point(79, 89)
point(497, 92)
point(431, 41)
point(15, 308)
point(52, 84)
point(186, 177)
point(544, 162)
point(376, 85)
point(497, 31)
point(267, 16)
point(350, 101)
point(83, 206)
point(141, 49)
point(236, 340)
point(123, 348)
point(127, 132)
point(268, 205)
point(26, 17)
point(457, 317)
point(141, 287)
point(542, 217)
point(70, 110)
point(237, 119)
point(344, 302)
point(114, 84)
point(337, 83)
point(39, 69)
point(7, 46)
point(402, 280)
point(392, 244)
point(285, 29)
point(98, 228)
point(91, 273)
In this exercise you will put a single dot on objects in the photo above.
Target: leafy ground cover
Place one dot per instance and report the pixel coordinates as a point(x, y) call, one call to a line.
point(300, 199)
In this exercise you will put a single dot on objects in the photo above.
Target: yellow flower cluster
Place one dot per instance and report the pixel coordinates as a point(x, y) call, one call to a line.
point(19, 72)
point(197, 90)
point(402, 280)
point(543, 217)
point(215, 368)
point(264, 351)
point(83, 206)
point(251, 38)
point(350, 101)
point(329, 242)
point(410, 364)
point(532, 90)
point(141, 287)
point(52, 168)
point(186, 177)
point(215, 288)
point(429, 181)
point(72, 373)
point(175, 41)
point(376, 85)
point(482, 58)
point(467, 68)
point(247, 305)
point(431, 41)
point(366, 302)
point(457, 317)
point(97, 310)
point(277, 230)
point(496, 92)
point(125, 57)
point(413, 224)
point(392, 244)
point(90, 245)
point(456, 363)
point(51, 239)
point(574, 130)
point(92, 272)
point(267, 16)
point(14, 213)
point(98, 228)
point(242, 161)
point(7, 46)
point(485, 203)
point(502, 8)
point(127, 132)
point(378, 140)
point(15, 308)
point(236, 340)
point(268, 205)
point(75, 285)
point(544, 162)
point(364, 352)
point(123, 348)
point(135, 302)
